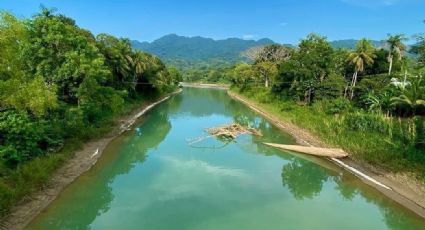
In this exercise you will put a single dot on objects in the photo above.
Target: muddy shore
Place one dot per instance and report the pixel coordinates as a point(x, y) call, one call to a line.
point(28, 208)
point(405, 189)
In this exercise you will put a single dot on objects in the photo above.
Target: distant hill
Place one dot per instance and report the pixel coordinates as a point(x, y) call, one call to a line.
point(351, 43)
point(192, 49)
point(186, 52)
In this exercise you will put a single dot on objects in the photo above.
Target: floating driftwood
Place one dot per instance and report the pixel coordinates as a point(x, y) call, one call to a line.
point(321, 152)
point(226, 133)
point(232, 131)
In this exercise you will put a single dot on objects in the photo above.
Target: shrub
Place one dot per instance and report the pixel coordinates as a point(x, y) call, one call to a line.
point(337, 106)
point(22, 138)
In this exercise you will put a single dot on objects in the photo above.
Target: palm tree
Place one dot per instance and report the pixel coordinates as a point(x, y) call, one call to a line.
point(396, 47)
point(412, 96)
point(138, 65)
point(360, 58)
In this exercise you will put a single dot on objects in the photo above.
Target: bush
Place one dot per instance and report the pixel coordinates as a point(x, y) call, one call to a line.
point(336, 106)
point(23, 138)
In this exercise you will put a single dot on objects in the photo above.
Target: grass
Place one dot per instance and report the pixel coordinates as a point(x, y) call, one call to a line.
point(33, 175)
point(384, 142)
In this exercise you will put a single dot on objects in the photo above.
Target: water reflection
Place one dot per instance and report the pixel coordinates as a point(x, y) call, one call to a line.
point(97, 194)
point(303, 179)
point(305, 176)
point(155, 180)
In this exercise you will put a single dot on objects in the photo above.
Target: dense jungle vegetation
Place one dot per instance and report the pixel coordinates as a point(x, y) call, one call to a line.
point(60, 86)
point(368, 100)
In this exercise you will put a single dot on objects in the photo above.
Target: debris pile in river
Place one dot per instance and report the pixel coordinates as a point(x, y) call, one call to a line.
point(232, 131)
point(226, 133)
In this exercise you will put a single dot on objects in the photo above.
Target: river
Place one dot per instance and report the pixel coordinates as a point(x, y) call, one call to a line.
point(153, 177)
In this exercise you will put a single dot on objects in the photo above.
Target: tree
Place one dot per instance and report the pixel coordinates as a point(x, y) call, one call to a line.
point(175, 75)
point(115, 52)
point(419, 49)
point(396, 48)
point(271, 53)
point(361, 57)
point(138, 64)
point(63, 54)
point(243, 74)
point(267, 70)
point(412, 96)
point(18, 90)
point(315, 57)
point(267, 59)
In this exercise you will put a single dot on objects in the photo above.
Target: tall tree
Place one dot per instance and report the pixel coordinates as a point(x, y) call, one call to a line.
point(138, 64)
point(272, 53)
point(396, 48)
point(361, 57)
point(267, 70)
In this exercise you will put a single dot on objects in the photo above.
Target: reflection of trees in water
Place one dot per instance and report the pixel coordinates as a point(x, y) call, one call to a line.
point(303, 179)
point(202, 102)
point(97, 194)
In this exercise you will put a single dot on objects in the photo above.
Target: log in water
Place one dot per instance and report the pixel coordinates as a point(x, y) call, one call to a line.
point(314, 151)
point(153, 179)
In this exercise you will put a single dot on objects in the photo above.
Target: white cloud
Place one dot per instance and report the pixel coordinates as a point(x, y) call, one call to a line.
point(248, 36)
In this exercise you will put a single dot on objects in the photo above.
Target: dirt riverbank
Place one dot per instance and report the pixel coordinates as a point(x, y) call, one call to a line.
point(82, 161)
point(404, 188)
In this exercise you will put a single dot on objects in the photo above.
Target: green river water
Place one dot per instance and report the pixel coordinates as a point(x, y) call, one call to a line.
point(154, 179)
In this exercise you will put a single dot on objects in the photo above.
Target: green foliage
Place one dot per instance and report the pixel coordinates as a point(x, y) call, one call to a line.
point(412, 96)
point(382, 123)
point(59, 85)
point(336, 106)
point(420, 132)
point(365, 122)
point(63, 54)
point(195, 49)
point(23, 138)
point(419, 49)
point(332, 87)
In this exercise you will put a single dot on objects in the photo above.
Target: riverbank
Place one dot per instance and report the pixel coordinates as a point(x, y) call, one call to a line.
point(83, 159)
point(404, 187)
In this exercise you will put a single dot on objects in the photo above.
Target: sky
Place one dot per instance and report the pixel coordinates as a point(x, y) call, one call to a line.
point(284, 21)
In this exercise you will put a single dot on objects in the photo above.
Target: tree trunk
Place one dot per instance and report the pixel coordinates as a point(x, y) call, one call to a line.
point(405, 78)
point(353, 84)
point(266, 84)
point(134, 81)
point(390, 59)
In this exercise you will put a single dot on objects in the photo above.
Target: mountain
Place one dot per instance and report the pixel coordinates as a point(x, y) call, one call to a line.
point(186, 52)
point(351, 43)
point(192, 49)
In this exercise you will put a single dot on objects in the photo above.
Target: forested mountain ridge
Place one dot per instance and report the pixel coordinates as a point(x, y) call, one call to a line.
point(173, 48)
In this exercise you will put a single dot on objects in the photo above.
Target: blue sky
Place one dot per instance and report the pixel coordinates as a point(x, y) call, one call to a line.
point(284, 21)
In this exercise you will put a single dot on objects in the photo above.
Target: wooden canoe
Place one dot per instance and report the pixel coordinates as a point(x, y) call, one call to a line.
point(315, 151)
